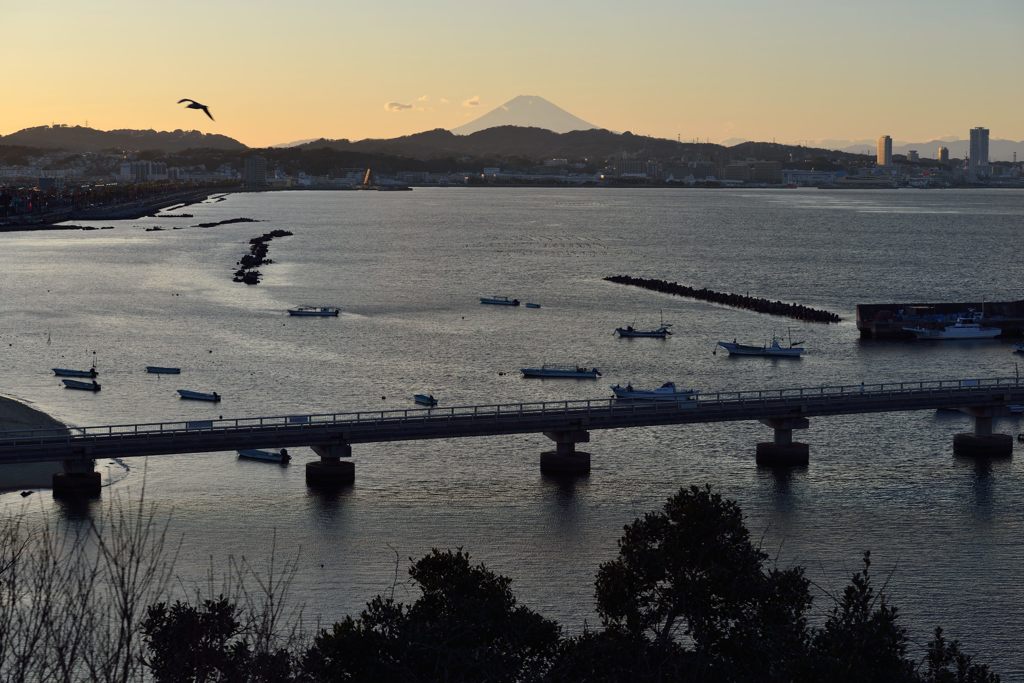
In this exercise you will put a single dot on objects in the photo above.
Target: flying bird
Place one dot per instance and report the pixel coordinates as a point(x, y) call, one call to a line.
point(192, 104)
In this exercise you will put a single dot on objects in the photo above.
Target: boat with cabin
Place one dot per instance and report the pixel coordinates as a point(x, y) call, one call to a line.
point(280, 457)
point(773, 350)
point(159, 370)
point(499, 301)
point(659, 332)
point(567, 371)
point(425, 399)
point(68, 372)
point(967, 326)
point(213, 397)
point(315, 311)
point(666, 392)
point(83, 386)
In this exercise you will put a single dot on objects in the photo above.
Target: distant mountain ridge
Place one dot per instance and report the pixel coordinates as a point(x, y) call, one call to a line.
point(529, 111)
point(82, 139)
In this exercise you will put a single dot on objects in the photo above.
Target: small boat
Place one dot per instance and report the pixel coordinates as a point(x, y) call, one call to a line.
point(774, 350)
point(967, 326)
point(84, 386)
point(425, 399)
point(666, 392)
point(570, 371)
point(1018, 348)
point(199, 395)
point(499, 301)
point(660, 332)
point(281, 456)
point(315, 311)
point(67, 372)
point(157, 370)
point(533, 305)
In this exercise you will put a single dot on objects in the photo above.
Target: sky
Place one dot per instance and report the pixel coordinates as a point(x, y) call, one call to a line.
point(274, 72)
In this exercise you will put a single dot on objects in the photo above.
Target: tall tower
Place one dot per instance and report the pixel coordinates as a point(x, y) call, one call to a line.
point(884, 151)
point(979, 151)
point(943, 154)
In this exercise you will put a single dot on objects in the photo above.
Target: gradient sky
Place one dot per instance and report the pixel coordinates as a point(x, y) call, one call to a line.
point(273, 71)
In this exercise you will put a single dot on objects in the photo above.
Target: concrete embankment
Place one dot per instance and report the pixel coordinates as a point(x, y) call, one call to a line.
point(16, 416)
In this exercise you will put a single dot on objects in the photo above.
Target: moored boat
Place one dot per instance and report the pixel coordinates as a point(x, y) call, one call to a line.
point(315, 311)
point(568, 371)
point(774, 350)
point(158, 370)
point(660, 332)
point(425, 399)
point(529, 305)
point(1018, 348)
point(68, 372)
point(84, 386)
point(213, 397)
point(967, 326)
point(499, 301)
point(666, 392)
point(281, 456)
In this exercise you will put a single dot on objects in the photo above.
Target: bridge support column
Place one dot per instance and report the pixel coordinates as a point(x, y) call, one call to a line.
point(78, 480)
point(331, 470)
point(983, 442)
point(565, 459)
point(783, 450)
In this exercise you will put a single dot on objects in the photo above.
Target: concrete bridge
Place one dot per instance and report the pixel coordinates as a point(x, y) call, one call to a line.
point(566, 423)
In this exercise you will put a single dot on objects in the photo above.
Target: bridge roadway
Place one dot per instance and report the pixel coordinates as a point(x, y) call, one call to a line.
point(565, 422)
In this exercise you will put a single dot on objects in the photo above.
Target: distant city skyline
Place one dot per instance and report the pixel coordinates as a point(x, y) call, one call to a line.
point(795, 71)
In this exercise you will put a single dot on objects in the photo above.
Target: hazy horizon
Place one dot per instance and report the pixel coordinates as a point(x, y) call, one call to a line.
point(806, 71)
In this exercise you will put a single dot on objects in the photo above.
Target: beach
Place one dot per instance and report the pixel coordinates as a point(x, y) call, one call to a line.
point(15, 416)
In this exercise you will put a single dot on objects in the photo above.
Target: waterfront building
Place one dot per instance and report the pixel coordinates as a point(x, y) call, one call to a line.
point(884, 157)
point(143, 171)
point(978, 161)
point(943, 154)
point(254, 172)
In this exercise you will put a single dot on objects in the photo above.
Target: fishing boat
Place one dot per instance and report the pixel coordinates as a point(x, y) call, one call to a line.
point(967, 326)
point(499, 301)
point(529, 305)
point(660, 332)
point(158, 370)
point(315, 311)
point(773, 350)
point(84, 386)
point(67, 372)
point(281, 456)
point(425, 399)
point(213, 397)
point(570, 371)
point(666, 392)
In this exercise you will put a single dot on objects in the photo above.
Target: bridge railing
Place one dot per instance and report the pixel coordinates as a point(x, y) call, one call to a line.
point(576, 408)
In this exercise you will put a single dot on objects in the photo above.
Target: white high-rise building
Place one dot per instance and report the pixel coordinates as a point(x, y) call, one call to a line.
point(978, 164)
point(884, 151)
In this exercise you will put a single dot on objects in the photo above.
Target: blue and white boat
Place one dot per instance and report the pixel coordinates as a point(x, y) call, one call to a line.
point(425, 399)
point(68, 372)
point(281, 456)
point(499, 301)
point(568, 371)
point(158, 370)
point(666, 392)
point(315, 311)
point(213, 397)
point(83, 386)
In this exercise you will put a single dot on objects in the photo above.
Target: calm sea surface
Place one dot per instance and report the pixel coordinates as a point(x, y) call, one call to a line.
point(407, 268)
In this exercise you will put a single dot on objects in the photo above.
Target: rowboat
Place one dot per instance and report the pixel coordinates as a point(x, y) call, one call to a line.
point(157, 370)
point(84, 386)
point(281, 456)
point(213, 397)
point(67, 372)
point(425, 399)
point(533, 305)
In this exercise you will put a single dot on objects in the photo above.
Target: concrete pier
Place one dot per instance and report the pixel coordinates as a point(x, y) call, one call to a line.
point(783, 451)
point(331, 470)
point(982, 443)
point(78, 480)
point(565, 459)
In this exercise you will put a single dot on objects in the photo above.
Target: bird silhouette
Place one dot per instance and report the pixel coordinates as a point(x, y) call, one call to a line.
point(192, 104)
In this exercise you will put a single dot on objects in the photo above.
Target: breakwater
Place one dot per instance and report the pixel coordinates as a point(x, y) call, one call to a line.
point(746, 302)
point(257, 256)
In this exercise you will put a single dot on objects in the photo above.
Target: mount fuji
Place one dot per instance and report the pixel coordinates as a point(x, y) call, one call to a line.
point(527, 111)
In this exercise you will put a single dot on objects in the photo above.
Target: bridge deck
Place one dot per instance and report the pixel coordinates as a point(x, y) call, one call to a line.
point(165, 438)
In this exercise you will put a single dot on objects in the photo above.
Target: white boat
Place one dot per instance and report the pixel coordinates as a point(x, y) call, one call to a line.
point(499, 301)
point(967, 326)
point(158, 370)
point(774, 350)
point(572, 371)
point(425, 399)
point(213, 397)
point(281, 456)
point(666, 392)
point(315, 311)
point(660, 332)
point(84, 386)
point(68, 372)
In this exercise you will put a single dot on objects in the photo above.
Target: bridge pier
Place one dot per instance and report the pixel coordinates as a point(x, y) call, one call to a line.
point(331, 471)
point(783, 450)
point(565, 459)
point(78, 480)
point(982, 442)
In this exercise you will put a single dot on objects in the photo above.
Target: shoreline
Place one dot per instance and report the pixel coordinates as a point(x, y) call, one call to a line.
point(16, 415)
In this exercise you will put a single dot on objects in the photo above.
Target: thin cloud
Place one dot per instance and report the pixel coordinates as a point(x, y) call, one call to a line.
point(423, 98)
point(396, 106)
point(473, 101)
point(444, 100)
